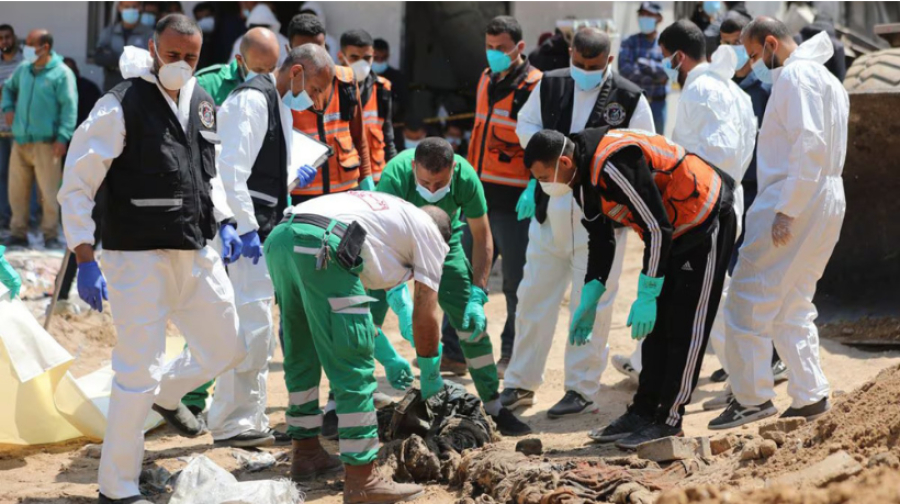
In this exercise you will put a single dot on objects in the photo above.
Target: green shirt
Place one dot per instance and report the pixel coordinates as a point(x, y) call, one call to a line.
point(219, 80)
point(466, 191)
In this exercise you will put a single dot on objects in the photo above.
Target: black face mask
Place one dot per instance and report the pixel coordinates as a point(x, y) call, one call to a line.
point(7, 50)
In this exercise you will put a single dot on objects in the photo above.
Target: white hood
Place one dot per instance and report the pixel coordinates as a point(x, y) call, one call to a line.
point(818, 49)
point(723, 62)
point(136, 62)
point(262, 15)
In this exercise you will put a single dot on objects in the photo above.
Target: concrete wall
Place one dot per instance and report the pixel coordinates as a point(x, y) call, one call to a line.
point(381, 19)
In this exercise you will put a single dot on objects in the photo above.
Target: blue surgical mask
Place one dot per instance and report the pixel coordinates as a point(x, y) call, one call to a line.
point(148, 19)
point(131, 16)
point(246, 13)
point(30, 54)
point(431, 197)
point(499, 61)
point(742, 57)
point(762, 72)
point(299, 102)
point(712, 8)
point(410, 143)
point(647, 24)
point(379, 67)
point(671, 72)
point(587, 80)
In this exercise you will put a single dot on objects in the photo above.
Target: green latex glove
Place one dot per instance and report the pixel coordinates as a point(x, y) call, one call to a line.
point(642, 318)
point(367, 184)
point(397, 369)
point(430, 379)
point(583, 319)
point(473, 317)
point(8, 276)
point(399, 300)
point(526, 205)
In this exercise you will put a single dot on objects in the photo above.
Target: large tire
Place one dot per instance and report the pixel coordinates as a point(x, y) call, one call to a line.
point(880, 70)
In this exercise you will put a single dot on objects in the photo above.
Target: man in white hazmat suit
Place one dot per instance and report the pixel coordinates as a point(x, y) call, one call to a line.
point(262, 16)
point(792, 227)
point(586, 95)
point(151, 142)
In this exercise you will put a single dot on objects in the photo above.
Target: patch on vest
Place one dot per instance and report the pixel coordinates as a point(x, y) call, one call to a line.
point(614, 114)
point(207, 114)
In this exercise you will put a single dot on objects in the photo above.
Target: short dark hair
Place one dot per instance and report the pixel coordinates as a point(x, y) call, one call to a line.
point(591, 42)
point(305, 25)
point(6, 27)
point(546, 145)
point(505, 24)
point(684, 36)
point(762, 27)
point(46, 38)
point(356, 38)
point(734, 22)
point(434, 154)
point(381, 45)
point(441, 219)
point(177, 22)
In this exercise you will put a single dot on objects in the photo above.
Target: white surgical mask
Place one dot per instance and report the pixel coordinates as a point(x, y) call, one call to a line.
point(361, 70)
point(431, 197)
point(555, 188)
point(30, 54)
point(410, 143)
point(173, 76)
point(299, 102)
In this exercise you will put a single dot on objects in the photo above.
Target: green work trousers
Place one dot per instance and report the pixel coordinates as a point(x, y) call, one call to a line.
point(327, 325)
point(453, 295)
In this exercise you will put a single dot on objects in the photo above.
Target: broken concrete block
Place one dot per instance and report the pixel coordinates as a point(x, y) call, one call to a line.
point(778, 437)
point(836, 467)
point(674, 448)
point(886, 459)
point(767, 448)
point(751, 450)
point(721, 444)
point(783, 425)
point(531, 446)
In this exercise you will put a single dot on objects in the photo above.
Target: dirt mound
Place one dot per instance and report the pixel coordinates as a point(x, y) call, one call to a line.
point(865, 331)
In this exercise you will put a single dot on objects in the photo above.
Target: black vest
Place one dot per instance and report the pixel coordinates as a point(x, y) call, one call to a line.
point(268, 177)
point(614, 107)
point(159, 187)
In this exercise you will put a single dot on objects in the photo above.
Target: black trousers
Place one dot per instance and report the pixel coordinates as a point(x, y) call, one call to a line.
point(686, 308)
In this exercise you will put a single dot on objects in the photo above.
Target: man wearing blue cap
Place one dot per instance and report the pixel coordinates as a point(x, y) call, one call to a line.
point(640, 61)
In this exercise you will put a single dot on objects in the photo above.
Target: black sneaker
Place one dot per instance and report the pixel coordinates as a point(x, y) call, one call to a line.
point(779, 371)
point(652, 432)
point(248, 439)
point(571, 404)
point(513, 398)
point(509, 425)
point(137, 499)
point(811, 412)
point(736, 415)
point(718, 376)
point(17, 241)
point(182, 420)
point(281, 438)
point(330, 425)
point(620, 428)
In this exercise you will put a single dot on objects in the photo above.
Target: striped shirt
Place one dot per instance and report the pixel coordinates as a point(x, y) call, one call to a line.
point(6, 70)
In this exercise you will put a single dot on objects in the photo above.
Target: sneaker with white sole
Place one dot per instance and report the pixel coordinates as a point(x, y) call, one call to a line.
point(736, 415)
point(809, 412)
point(720, 401)
point(622, 363)
point(779, 371)
point(513, 398)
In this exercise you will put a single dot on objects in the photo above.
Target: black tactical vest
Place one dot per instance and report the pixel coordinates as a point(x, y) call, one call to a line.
point(159, 188)
point(614, 107)
point(268, 177)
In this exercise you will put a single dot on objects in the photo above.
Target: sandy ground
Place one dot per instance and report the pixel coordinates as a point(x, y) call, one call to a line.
point(66, 473)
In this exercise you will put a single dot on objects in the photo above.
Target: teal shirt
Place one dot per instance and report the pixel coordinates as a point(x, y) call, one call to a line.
point(45, 103)
point(219, 80)
point(466, 191)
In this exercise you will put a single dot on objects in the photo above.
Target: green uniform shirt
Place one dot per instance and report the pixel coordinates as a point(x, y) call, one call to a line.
point(219, 80)
point(466, 191)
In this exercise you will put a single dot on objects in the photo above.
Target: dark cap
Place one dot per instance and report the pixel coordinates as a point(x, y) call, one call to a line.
point(653, 7)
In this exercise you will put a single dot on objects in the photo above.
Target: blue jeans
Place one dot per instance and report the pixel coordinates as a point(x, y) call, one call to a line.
point(659, 115)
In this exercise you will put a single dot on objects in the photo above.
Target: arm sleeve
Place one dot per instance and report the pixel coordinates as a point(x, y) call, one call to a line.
point(642, 118)
point(601, 249)
point(387, 129)
point(67, 97)
point(99, 140)
point(471, 192)
point(530, 120)
point(802, 112)
point(243, 124)
point(393, 181)
point(104, 54)
point(628, 60)
point(221, 210)
point(357, 131)
point(629, 182)
point(429, 250)
point(711, 127)
point(10, 92)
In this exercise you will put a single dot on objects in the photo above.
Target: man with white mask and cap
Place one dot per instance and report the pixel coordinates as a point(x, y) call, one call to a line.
point(151, 142)
point(262, 15)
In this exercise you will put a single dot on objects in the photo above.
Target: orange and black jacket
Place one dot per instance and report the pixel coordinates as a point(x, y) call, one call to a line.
point(377, 101)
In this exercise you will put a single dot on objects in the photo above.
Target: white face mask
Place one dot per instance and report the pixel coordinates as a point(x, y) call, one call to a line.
point(432, 197)
point(555, 188)
point(361, 70)
point(173, 76)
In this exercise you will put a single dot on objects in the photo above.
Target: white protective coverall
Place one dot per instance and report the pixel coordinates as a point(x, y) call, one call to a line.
point(557, 251)
point(262, 15)
point(804, 139)
point(239, 402)
point(146, 289)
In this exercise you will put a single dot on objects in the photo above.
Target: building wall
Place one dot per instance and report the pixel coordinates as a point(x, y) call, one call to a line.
point(380, 19)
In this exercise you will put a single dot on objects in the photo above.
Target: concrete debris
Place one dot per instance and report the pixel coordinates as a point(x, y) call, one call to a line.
point(886, 459)
point(750, 451)
point(778, 437)
point(767, 448)
point(722, 443)
point(531, 446)
point(675, 448)
point(784, 425)
point(836, 467)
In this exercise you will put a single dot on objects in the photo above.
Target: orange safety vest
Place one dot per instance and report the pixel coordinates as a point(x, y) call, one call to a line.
point(342, 171)
point(688, 185)
point(494, 149)
point(373, 125)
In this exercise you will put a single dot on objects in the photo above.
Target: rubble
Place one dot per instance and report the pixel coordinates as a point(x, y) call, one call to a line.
point(784, 425)
point(778, 437)
point(721, 444)
point(886, 459)
point(675, 448)
point(836, 467)
point(767, 448)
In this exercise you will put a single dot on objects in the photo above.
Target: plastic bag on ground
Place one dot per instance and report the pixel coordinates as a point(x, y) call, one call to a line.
point(204, 482)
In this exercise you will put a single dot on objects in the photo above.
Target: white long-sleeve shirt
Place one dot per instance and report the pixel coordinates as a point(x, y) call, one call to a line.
point(243, 124)
point(530, 121)
point(96, 143)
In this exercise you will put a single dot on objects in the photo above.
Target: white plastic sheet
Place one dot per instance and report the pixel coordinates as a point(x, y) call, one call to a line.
point(203, 482)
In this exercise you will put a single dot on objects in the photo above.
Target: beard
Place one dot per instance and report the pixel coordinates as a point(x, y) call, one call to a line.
point(9, 49)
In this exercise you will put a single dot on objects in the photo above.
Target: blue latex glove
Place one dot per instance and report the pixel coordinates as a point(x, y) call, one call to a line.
point(526, 206)
point(231, 244)
point(400, 301)
point(92, 285)
point(430, 380)
point(642, 318)
point(9, 277)
point(398, 371)
point(251, 248)
point(305, 175)
point(367, 184)
point(583, 319)
point(473, 317)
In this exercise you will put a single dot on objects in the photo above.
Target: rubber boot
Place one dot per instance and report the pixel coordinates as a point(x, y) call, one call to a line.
point(309, 460)
point(363, 486)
